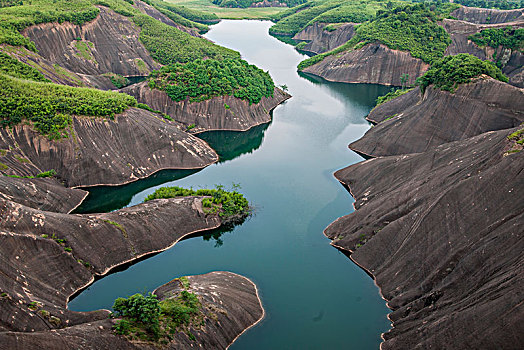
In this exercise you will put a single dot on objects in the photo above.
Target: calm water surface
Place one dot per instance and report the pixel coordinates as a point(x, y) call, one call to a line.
point(314, 296)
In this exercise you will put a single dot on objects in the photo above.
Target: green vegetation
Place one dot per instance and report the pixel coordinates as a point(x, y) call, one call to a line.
point(50, 106)
point(517, 140)
point(206, 6)
point(227, 204)
point(248, 3)
point(185, 12)
point(146, 318)
point(184, 281)
point(84, 50)
point(49, 173)
point(391, 95)
point(494, 4)
point(203, 79)
point(452, 71)
point(117, 80)
point(13, 67)
point(508, 38)
point(168, 45)
point(411, 28)
point(296, 19)
point(147, 108)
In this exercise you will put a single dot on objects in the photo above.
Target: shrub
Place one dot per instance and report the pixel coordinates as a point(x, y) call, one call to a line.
point(508, 38)
point(141, 309)
point(391, 95)
point(448, 73)
point(227, 204)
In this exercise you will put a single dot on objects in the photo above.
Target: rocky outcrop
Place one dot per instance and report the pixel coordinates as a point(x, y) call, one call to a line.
point(108, 44)
point(487, 16)
point(320, 40)
point(134, 145)
point(442, 234)
point(230, 305)
point(439, 117)
point(512, 60)
point(154, 13)
point(36, 266)
point(218, 113)
point(41, 193)
point(374, 63)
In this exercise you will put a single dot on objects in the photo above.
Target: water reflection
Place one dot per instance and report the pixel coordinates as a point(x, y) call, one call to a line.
point(104, 199)
point(232, 144)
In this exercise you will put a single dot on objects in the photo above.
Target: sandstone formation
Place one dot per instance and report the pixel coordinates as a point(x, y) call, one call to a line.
point(486, 16)
point(374, 63)
point(218, 113)
point(441, 232)
point(134, 145)
point(153, 12)
point(439, 117)
point(319, 40)
point(41, 193)
point(108, 44)
point(231, 305)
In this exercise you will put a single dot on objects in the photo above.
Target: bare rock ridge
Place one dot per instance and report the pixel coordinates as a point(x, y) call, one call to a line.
point(41, 193)
point(418, 123)
point(134, 145)
point(319, 40)
point(218, 113)
point(220, 292)
point(444, 243)
point(107, 44)
point(376, 63)
point(46, 257)
point(486, 16)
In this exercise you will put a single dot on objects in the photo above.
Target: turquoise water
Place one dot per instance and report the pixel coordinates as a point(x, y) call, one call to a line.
point(314, 296)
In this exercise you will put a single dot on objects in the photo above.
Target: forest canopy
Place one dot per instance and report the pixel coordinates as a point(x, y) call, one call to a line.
point(203, 79)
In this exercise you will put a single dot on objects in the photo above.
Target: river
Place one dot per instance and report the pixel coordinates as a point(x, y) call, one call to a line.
point(314, 296)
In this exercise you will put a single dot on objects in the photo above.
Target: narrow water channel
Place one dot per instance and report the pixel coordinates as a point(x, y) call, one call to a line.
point(314, 296)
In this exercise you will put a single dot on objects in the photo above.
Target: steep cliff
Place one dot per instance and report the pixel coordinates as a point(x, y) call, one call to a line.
point(320, 40)
point(218, 113)
point(439, 117)
point(108, 44)
point(134, 145)
point(512, 60)
point(441, 232)
point(486, 16)
point(374, 63)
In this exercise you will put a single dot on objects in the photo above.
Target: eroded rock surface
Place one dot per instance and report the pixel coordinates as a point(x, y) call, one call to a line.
point(442, 233)
point(218, 113)
point(230, 305)
point(420, 123)
point(41, 193)
point(36, 266)
point(108, 44)
point(374, 63)
point(134, 145)
point(487, 16)
point(320, 40)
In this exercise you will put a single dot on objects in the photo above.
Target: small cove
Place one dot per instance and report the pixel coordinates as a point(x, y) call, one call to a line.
point(314, 296)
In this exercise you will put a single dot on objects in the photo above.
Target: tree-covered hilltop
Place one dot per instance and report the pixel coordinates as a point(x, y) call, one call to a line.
point(492, 4)
point(448, 73)
point(248, 3)
point(411, 28)
point(508, 38)
point(203, 79)
point(49, 106)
